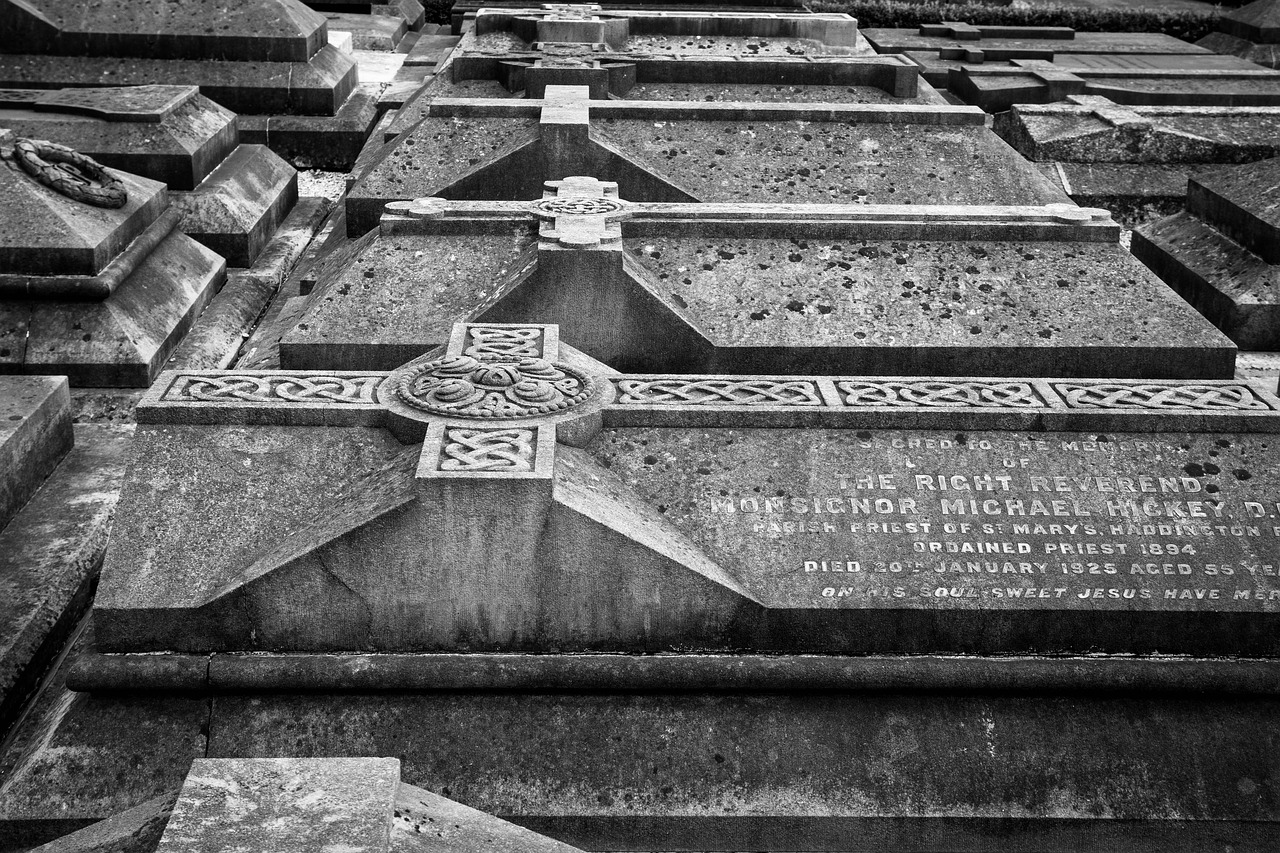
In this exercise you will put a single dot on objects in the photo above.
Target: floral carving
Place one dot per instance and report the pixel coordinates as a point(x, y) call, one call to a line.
point(493, 387)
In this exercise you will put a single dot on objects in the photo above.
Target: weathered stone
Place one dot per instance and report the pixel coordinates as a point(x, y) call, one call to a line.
point(99, 294)
point(35, 433)
point(49, 557)
point(134, 831)
point(1251, 32)
point(284, 805)
point(170, 134)
point(764, 288)
point(238, 207)
point(707, 152)
point(1221, 254)
point(318, 141)
point(996, 88)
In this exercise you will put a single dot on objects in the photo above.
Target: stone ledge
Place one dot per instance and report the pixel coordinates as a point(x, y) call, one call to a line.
point(96, 672)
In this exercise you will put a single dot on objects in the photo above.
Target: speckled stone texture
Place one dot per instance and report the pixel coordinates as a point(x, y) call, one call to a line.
point(35, 433)
point(810, 303)
point(192, 136)
point(282, 805)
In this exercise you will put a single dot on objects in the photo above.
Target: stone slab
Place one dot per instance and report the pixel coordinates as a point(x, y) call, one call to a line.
point(1242, 202)
point(888, 40)
point(272, 31)
point(44, 233)
point(236, 210)
point(317, 86)
point(50, 553)
point(284, 805)
point(996, 89)
point(704, 771)
point(724, 295)
point(217, 337)
point(1097, 130)
point(1266, 55)
point(369, 32)
point(431, 50)
point(1231, 286)
point(707, 152)
point(125, 339)
point(314, 141)
point(35, 433)
point(134, 831)
point(169, 134)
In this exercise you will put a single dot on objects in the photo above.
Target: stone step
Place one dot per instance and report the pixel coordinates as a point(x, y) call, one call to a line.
point(1242, 202)
point(1231, 286)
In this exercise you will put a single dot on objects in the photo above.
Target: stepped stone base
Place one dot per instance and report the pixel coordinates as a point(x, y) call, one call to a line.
point(1232, 287)
point(318, 141)
point(237, 209)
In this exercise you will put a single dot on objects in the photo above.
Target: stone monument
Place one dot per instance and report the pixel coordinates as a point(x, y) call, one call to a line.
point(268, 61)
point(1251, 32)
point(1223, 253)
point(233, 196)
point(96, 282)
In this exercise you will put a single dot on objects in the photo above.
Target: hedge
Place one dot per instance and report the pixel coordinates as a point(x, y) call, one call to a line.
point(1184, 24)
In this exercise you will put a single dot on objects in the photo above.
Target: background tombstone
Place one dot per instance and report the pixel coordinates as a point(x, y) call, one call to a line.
point(234, 196)
point(100, 294)
point(270, 62)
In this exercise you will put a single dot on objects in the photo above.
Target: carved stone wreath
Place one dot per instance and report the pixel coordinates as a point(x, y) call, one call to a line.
point(75, 175)
point(493, 387)
point(576, 206)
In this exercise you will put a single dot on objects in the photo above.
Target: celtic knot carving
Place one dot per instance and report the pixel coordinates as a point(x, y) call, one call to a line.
point(487, 450)
point(1104, 395)
point(495, 340)
point(251, 388)
point(710, 391)
point(576, 206)
point(493, 386)
point(940, 393)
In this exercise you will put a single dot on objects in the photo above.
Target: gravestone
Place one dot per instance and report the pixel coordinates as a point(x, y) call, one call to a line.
point(269, 62)
point(767, 288)
point(1223, 253)
point(1251, 32)
point(100, 294)
point(233, 196)
point(1135, 159)
point(1193, 81)
point(775, 513)
point(723, 152)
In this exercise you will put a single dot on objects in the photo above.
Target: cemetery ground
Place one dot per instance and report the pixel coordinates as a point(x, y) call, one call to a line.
point(639, 428)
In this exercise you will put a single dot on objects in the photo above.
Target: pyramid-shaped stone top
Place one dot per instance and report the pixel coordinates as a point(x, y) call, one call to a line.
point(1257, 22)
point(44, 232)
point(244, 30)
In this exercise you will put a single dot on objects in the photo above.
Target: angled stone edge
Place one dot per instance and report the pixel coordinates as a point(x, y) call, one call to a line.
point(350, 398)
point(264, 397)
point(1051, 222)
point(935, 114)
point(288, 672)
point(285, 805)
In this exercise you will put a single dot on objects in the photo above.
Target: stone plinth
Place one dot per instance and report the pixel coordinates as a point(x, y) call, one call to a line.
point(35, 433)
point(239, 194)
point(101, 294)
point(1221, 254)
point(705, 152)
point(266, 60)
point(730, 500)
point(1251, 32)
point(763, 288)
point(1136, 158)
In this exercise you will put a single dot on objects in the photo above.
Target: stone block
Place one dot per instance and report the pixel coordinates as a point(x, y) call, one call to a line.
point(1242, 202)
point(236, 210)
point(35, 433)
point(293, 805)
point(170, 134)
point(318, 141)
point(369, 32)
